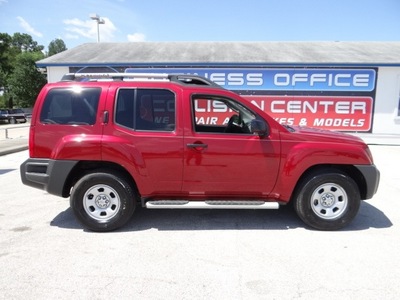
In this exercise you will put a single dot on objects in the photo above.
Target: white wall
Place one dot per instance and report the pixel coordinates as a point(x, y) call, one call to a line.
point(386, 119)
point(55, 74)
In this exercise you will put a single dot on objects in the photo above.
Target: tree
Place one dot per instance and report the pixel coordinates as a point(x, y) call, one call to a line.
point(6, 64)
point(6, 55)
point(25, 82)
point(19, 79)
point(56, 46)
point(25, 43)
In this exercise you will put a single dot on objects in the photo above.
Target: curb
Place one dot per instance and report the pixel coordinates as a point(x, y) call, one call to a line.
point(13, 146)
point(13, 150)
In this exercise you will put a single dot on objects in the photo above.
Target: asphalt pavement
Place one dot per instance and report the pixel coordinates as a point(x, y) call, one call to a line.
point(194, 254)
point(197, 254)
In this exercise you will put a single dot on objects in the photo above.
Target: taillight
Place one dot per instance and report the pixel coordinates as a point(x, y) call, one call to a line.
point(32, 141)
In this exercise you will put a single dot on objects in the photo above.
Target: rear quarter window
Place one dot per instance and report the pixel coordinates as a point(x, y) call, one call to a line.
point(70, 106)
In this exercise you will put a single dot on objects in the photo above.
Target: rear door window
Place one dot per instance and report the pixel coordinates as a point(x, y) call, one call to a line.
point(145, 109)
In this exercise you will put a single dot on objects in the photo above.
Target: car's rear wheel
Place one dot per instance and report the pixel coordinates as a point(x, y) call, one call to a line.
point(103, 201)
point(327, 200)
point(12, 121)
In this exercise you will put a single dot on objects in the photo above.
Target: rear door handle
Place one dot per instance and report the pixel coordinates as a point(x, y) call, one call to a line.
point(105, 117)
point(197, 145)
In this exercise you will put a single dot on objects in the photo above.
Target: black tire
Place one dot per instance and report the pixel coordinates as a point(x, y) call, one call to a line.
point(327, 200)
point(12, 121)
point(103, 201)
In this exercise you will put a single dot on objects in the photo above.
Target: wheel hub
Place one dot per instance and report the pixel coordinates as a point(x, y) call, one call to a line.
point(102, 201)
point(327, 200)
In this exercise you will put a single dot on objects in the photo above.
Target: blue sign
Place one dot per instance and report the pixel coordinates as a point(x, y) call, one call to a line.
point(282, 79)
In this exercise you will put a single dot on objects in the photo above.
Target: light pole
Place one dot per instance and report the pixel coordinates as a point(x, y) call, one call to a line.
point(98, 20)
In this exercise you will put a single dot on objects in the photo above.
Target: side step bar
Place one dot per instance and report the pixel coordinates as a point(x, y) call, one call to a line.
point(212, 204)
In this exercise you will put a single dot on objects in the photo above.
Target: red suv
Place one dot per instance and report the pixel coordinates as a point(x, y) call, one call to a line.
point(111, 142)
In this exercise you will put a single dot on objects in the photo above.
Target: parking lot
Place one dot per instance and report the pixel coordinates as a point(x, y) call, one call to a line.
point(197, 254)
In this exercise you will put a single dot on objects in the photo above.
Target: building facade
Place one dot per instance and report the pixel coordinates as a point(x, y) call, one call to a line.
point(344, 86)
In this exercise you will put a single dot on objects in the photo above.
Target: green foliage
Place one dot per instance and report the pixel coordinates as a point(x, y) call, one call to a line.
point(20, 82)
point(56, 46)
point(6, 55)
point(25, 43)
point(3, 80)
point(2, 101)
point(25, 82)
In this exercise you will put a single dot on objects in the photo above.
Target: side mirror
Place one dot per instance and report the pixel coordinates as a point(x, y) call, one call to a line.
point(259, 127)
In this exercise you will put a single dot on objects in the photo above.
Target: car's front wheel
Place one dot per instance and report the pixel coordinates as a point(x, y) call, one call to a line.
point(327, 200)
point(103, 201)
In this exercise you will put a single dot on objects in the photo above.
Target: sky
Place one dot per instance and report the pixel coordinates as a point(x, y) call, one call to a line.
point(206, 20)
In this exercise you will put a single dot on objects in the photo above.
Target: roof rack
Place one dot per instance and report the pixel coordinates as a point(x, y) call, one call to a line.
point(179, 78)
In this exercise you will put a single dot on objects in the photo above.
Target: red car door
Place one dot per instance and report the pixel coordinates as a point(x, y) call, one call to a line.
point(145, 137)
point(224, 160)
